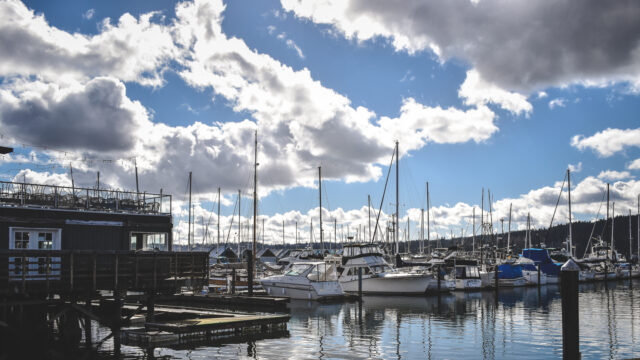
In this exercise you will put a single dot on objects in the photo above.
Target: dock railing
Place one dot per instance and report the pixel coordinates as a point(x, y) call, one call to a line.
point(83, 271)
point(77, 198)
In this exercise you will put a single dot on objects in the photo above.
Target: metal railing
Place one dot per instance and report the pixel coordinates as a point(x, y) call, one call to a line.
point(66, 197)
point(82, 271)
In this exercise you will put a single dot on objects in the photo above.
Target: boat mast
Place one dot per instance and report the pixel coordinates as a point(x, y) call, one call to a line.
point(395, 224)
point(509, 229)
point(605, 223)
point(630, 238)
point(218, 246)
point(527, 237)
point(239, 221)
point(613, 220)
point(189, 231)
point(320, 197)
point(481, 226)
point(255, 199)
point(421, 231)
point(369, 202)
point(428, 229)
point(335, 234)
point(473, 228)
point(570, 225)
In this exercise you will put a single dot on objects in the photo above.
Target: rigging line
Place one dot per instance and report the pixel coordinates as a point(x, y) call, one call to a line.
point(558, 201)
point(594, 225)
point(384, 192)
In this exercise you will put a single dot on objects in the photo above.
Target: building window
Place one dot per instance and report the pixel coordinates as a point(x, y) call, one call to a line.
point(21, 240)
point(149, 241)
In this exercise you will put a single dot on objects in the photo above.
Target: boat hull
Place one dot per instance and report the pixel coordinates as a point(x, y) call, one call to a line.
point(392, 285)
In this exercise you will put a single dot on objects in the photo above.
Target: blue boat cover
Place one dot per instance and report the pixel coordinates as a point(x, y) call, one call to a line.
point(551, 269)
point(529, 267)
point(539, 256)
point(509, 271)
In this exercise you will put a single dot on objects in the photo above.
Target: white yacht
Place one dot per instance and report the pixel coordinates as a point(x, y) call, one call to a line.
point(305, 280)
point(530, 272)
point(378, 277)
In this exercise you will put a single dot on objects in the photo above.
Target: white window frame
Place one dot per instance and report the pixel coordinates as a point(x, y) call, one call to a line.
point(33, 270)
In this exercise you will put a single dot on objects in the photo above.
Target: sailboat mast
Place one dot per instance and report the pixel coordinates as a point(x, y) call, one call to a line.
point(395, 225)
point(320, 197)
point(473, 229)
point(428, 229)
point(369, 202)
point(189, 231)
point(605, 223)
point(509, 229)
point(570, 224)
point(421, 231)
point(218, 246)
point(613, 220)
point(630, 238)
point(239, 220)
point(255, 199)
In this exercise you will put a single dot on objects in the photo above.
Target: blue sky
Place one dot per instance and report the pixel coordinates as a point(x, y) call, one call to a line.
point(519, 151)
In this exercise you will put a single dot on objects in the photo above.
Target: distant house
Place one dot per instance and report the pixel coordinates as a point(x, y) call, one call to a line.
point(266, 255)
point(225, 254)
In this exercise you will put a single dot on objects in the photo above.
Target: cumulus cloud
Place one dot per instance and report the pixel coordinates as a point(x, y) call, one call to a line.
point(634, 165)
point(614, 175)
point(575, 168)
point(476, 91)
point(608, 142)
point(130, 50)
point(89, 14)
point(520, 45)
point(558, 102)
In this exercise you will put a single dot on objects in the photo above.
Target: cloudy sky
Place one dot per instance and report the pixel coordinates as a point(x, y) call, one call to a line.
point(479, 93)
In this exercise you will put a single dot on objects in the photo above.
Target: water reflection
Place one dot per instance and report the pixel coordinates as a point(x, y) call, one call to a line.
point(523, 322)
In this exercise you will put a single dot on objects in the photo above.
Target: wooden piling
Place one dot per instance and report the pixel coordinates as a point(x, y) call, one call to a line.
point(360, 283)
point(569, 275)
point(250, 273)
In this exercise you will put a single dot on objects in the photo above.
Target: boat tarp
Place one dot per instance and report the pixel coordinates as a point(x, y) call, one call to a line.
point(509, 271)
point(539, 256)
point(551, 269)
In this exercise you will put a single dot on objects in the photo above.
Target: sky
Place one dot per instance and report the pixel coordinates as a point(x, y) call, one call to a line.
point(480, 95)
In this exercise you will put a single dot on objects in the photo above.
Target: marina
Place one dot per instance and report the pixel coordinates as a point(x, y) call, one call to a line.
point(302, 179)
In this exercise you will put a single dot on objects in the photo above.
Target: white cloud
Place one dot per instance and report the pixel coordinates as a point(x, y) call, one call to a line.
point(292, 45)
point(557, 102)
point(476, 91)
point(515, 45)
point(89, 14)
point(634, 165)
point(542, 95)
point(614, 175)
point(608, 142)
point(575, 168)
point(131, 50)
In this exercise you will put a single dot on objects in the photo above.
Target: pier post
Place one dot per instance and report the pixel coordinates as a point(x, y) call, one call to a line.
point(117, 318)
point(495, 277)
point(438, 275)
point(250, 273)
point(87, 324)
point(539, 275)
point(569, 274)
point(233, 281)
point(360, 282)
point(150, 307)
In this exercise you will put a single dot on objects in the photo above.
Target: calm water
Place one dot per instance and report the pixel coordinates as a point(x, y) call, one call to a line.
point(522, 323)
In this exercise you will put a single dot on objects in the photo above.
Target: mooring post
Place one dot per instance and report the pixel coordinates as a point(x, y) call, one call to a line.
point(360, 283)
point(398, 260)
point(569, 274)
point(233, 281)
point(151, 305)
point(438, 275)
point(539, 275)
point(495, 277)
point(250, 273)
point(116, 322)
point(87, 324)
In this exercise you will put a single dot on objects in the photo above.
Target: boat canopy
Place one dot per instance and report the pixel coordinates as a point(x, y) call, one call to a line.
point(539, 256)
point(509, 271)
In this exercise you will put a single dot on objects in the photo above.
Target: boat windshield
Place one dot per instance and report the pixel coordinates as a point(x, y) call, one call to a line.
point(323, 272)
point(377, 269)
point(298, 269)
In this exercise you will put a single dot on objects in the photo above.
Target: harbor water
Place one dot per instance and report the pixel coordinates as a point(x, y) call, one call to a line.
point(523, 323)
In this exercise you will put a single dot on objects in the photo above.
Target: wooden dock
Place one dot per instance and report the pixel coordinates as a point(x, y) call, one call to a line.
point(208, 330)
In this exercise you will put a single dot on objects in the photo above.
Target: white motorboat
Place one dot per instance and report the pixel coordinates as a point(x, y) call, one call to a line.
point(306, 281)
point(378, 277)
point(530, 272)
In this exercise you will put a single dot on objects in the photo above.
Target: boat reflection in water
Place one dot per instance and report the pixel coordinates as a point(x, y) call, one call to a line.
point(524, 321)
